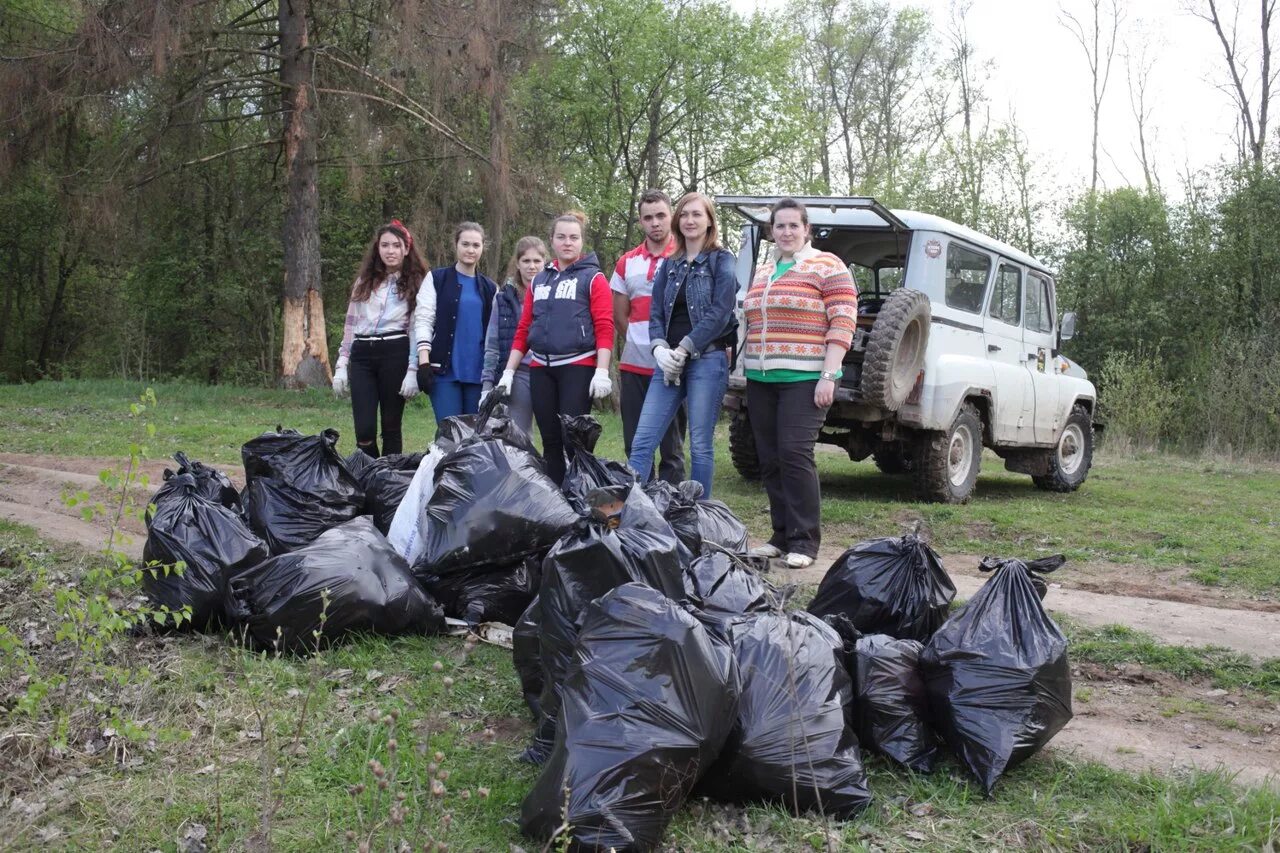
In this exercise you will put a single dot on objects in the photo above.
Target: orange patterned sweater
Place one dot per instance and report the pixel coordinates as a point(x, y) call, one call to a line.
point(790, 321)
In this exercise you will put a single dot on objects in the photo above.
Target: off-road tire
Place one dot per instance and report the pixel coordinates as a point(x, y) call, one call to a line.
point(742, 447)
point(893, 459)
point(895, 349)
point(1072, 456)
point(940, 478)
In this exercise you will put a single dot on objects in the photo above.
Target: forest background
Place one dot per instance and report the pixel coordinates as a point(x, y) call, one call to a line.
point(186, 186)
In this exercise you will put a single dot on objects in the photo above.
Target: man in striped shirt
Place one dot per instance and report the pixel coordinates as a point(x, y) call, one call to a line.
point(632, 286)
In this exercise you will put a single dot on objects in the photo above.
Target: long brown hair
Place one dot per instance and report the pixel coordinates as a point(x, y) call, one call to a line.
point(712, 240)
point(523, 245)
point(373, 272)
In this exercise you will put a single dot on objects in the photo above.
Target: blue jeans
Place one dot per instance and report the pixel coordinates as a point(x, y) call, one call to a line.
point(450, 397)
point(702, 389)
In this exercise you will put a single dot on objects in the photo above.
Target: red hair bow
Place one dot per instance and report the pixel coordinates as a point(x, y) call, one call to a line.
point(396, 223)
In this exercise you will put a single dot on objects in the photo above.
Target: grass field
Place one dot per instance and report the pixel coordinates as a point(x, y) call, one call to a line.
point(1220, 523)
point(218, 741)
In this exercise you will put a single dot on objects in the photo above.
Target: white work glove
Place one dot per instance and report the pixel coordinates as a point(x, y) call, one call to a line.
point(340, 384)
point(409, 388)
point(506, 381)
point(601, 384)
point(670, 361)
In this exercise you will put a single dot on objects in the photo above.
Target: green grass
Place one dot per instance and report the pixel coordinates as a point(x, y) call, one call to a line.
point(1224, 668)
point(1219, 524)
point(220, 720)
point(206, 762)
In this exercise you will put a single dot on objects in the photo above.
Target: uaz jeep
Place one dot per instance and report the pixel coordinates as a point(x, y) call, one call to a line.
point(956, 349)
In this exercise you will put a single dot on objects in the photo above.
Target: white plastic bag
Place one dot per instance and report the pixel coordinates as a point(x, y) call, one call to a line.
point(405, 535)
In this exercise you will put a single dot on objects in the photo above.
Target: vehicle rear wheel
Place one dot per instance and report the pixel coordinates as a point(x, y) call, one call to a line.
point(946, 463)
point(895, 349)
point(893, 459)
point(1070, 460)
point(742, 447)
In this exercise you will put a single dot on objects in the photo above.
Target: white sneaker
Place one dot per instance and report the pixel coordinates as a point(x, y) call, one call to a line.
point(770, 551)
point(798, 561)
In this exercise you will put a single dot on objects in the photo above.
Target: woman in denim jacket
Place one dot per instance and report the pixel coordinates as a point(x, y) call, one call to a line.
point(693, 302)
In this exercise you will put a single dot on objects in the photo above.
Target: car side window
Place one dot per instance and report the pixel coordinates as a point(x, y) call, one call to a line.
point(1006, 296)
point(1039, 304)
point(967, 272)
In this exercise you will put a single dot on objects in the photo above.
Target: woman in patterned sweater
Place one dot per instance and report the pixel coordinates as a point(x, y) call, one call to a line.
point(801, 312)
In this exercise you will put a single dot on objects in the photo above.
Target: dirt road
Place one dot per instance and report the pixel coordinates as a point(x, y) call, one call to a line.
point(1126, 717)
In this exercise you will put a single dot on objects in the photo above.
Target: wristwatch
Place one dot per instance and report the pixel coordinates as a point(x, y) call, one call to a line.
point(827, 374)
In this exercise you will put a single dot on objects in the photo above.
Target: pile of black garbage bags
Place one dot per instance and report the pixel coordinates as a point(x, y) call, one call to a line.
point(655, 674)
point(657, 660)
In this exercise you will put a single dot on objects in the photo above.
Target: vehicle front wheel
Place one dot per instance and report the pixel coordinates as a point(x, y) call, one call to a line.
point(742, 447)
point(1070, 461)
point(946, 464)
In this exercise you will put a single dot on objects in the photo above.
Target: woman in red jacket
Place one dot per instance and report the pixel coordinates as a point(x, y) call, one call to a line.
point(566, 326)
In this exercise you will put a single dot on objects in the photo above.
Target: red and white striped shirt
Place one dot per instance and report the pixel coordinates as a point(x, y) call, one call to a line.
point(633, 278)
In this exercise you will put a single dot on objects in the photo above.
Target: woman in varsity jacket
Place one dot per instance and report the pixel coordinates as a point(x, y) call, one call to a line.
point(801, 312)
point(566, 327)
point(375, 361)
point(528, 259)
point(451, 342)
point(691, 327)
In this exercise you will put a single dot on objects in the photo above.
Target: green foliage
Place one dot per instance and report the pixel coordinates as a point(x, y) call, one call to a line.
point(1137, 402)
point(90, 615)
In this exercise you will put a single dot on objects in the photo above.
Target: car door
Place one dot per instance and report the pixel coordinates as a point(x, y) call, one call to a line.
point(1002, 331)
point(1038, 335)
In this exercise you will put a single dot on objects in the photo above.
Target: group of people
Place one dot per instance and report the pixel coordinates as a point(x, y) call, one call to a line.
point(545, 337)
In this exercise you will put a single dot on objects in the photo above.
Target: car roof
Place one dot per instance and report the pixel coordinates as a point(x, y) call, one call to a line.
point(867, 213)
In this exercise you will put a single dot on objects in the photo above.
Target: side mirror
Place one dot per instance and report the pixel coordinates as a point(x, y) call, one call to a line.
point(1067, 329)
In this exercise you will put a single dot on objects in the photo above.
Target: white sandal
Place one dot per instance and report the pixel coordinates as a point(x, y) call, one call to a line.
point(766, 550)
point(799, 561)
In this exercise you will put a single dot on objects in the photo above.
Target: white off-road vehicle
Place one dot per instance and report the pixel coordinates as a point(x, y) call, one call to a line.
point(956, 349)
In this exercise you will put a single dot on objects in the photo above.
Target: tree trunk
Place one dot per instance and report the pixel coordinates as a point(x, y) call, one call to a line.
point(304, 359)
point(65, 269)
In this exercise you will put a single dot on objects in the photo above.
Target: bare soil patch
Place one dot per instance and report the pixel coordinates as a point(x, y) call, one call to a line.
point(1135, 719)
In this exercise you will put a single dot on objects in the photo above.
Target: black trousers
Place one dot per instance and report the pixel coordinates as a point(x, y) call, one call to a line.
point(558, 391)
point(671, 450)
point(375, 373)
point(785, 424)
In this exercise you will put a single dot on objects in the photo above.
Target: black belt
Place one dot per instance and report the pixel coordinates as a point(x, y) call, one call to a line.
point(386, 336)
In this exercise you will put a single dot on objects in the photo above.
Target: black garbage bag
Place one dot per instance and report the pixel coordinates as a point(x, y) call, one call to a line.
point(697, 521)
point(486, 593)
point(893, 586)
point(587, 472)
point(384, 481)
point(211, 484)
point(890, 706)
point(211, 540)
point(723, 588)
point(297, 487)
point(997, 674)
point(595, 557)
point(792, 743)
point(492, 505)
point(491, 421)
point(648, 702)
point(369, 588)
point(526, 655)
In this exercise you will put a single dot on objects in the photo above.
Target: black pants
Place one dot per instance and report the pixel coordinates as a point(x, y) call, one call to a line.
point(558, 391)
point(375, 372)
point(671, 451)
point(785, 423)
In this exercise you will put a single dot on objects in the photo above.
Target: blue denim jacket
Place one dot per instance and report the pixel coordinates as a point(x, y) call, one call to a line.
point(711, 293)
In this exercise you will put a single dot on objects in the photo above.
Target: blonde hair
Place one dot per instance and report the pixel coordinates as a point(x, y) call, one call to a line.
point(713, 232)
point(570, 216)
point(523, 245)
